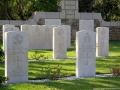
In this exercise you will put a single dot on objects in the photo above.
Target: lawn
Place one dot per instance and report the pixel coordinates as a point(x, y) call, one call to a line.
point(107, 83)
point(103, 65)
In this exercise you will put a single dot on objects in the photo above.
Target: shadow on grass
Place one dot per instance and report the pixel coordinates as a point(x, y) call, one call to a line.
point(71, 49)
point(41, 51)
point(36, 68)
point(83, 84)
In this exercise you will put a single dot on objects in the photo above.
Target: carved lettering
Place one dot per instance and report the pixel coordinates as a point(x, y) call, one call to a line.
point(17, 39)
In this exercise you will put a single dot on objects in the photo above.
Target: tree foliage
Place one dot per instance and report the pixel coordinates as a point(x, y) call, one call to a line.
point(2, 10)
point(23, 9)
point(110, 9)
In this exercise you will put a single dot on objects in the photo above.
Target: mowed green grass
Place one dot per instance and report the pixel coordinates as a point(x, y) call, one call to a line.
point(106, 83)
point(49, 53)
point(114, 48)
point(103, 65)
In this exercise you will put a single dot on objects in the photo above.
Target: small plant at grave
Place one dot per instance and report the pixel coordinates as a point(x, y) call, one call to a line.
point(37, 56)
point(1, 54)
point(116, 71)
point(3, 79)
point(53, 73)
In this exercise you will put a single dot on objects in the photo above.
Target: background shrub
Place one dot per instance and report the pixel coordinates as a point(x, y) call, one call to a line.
point(3, 79)
point(1, 54)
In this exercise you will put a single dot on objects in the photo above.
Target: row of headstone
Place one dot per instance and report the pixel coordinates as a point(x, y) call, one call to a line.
point(16, 56)
point(83, 24)
point(41, 37)
point(37, 34)
point(16, 48)
point(39, 40)
point(87, 41)
point(102, 36)
point(15, 45)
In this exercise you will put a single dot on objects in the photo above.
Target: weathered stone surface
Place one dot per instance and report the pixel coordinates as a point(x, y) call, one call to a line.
point(85, 53)
point(30, 31)
point(68, 28)
point(102, 41)
point(52, 21)
point(7, 28)
point(59, 42)
point(16, 56)
point(38, 37)
point(86, 25)
point(47, 36)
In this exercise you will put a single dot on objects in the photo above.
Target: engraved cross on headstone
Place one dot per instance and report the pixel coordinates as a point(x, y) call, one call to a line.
point(87, 59)
point(18, 60)
point(60, 49)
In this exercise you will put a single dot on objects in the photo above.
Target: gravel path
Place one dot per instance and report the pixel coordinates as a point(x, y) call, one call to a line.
point(72, 78)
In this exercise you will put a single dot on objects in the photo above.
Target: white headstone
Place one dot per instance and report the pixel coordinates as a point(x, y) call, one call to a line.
point(52, 21)
point(59, 42)
point(68, 28)
point(3, 28)
point(47, 36)
point(38, 37)
point(102, 41)
point(86, 25)
point(8, 25)
point(30, 32)
point(7, 28)
point(16, 56)
point(85, 53)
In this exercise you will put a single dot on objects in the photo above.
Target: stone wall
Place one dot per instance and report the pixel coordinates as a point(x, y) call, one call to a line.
point(114, 33)
point(74, 23)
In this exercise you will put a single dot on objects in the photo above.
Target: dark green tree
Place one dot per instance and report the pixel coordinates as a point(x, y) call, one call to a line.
point(85, 5)
point(3, 9)
point(111, 10)
point(23, 9)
